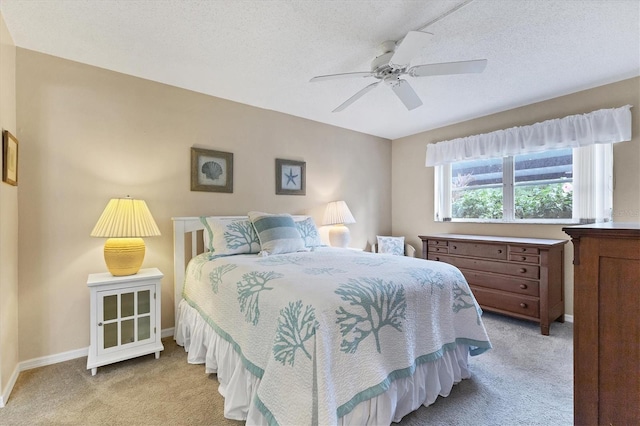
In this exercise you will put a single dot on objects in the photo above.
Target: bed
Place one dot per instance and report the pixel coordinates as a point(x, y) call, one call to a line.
point(300, 333)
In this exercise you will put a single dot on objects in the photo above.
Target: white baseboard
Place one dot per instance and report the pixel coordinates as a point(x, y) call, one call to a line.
point(7, 390)
point(568, 318)
point(67, 356)
point(52, 359)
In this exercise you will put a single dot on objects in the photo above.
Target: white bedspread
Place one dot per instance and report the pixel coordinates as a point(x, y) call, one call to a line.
point(326, 330)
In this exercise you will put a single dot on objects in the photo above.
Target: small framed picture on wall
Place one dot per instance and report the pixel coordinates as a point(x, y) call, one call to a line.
point(211, 171)
point(290, 177)
point(9, 158)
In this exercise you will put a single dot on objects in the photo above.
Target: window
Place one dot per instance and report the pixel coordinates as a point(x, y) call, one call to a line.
point(570, 185)
point(476, 189)
point(555, 171)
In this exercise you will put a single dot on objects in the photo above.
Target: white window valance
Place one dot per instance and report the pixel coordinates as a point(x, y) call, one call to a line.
point(574, 131)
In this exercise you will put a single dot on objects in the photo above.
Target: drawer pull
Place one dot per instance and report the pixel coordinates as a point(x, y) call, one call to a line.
point(523, 305)
point(523, 270)
point(437, 258)
point(455, 247)
point(523, 286)
point(500, 251)
point(524, 258)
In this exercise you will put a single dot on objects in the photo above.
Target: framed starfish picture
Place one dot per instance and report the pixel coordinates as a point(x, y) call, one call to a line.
point(290, 177)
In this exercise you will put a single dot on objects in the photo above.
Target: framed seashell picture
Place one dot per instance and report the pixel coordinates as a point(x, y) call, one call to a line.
point(211, 171)
point(290, 177)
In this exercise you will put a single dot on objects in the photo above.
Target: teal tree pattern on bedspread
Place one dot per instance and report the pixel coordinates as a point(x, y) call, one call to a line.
point(215, 276)
point(282, 260)
point(381, 304)
point(321, 271)
point(329, 311)
point(249, 289)
point(427, 277)
point(461, 298)
point(295, 328)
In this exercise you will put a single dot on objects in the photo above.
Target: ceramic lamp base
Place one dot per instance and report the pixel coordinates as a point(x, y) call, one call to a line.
point(124, 256)
point(339, 236)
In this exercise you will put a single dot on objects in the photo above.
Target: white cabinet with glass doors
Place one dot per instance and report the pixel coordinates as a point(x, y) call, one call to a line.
point(125, 317)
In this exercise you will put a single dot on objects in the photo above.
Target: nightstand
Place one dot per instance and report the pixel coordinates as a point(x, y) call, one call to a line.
point(125, 317)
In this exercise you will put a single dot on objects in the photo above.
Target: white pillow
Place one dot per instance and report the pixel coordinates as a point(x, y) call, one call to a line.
point(309, 232)
point(391, 245)
point(277, 233)
point(226, 236)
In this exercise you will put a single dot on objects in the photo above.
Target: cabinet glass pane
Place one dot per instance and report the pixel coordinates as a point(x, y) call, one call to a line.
point(110, 307)
point(126, 330)
point(144, 328)
point(143, 302)
point(127, 305)
point(110, 334)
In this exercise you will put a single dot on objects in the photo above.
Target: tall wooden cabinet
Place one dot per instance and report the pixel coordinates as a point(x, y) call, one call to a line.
point(606, 323)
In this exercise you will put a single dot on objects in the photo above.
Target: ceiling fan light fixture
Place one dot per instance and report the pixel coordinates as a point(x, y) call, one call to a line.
point(393, 62)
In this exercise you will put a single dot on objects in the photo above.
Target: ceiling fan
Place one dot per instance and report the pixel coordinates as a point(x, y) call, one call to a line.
point(393, 62)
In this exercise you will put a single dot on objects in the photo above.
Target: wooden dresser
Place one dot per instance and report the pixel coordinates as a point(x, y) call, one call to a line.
point(519, 277)
point(606, 329)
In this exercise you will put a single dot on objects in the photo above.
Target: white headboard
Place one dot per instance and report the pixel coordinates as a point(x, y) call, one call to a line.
point(183, 226)
point(187, 243)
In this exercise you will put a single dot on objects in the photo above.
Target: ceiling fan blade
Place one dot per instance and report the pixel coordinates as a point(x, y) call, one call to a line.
point(343, 75)
point(408, 48)
point(407, 95)
point(462, 67)
point(357, 96)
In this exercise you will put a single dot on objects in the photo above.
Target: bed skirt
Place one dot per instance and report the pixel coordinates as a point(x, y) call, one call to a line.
point(238, 386)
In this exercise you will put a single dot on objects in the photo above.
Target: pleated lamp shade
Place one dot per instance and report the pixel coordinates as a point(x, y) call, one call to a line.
point(338, 214)
point(125, 221)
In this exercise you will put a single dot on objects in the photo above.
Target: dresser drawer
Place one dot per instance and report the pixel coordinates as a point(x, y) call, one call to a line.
point(489, 251)
point(522, 305)
point(523, 250)
point(438, 243)
point(517, 257)
point(517, 270)
point(499, 282)
point(439, 249)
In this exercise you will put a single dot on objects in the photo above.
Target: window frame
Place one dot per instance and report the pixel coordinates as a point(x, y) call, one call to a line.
point(602, 164)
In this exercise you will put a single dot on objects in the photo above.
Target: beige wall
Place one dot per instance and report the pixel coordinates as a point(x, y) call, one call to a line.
point(412, 188)
point(88, 135)
point(8, 223)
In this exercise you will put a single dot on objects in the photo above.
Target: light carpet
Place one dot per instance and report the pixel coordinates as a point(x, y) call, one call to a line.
point(526, 379)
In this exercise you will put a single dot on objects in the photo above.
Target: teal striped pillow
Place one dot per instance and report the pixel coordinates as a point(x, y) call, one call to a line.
point(277, 233)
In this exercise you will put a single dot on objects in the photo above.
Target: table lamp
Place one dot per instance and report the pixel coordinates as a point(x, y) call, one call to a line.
point(124, 221)
point(338, 214)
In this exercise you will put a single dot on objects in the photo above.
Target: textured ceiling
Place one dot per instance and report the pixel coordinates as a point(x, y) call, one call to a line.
point(263, 53)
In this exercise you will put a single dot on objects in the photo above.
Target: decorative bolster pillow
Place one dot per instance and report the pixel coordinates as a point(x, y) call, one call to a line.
point(277, 233)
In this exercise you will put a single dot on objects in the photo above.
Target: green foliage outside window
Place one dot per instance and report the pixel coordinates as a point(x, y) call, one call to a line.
point(551, 201)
